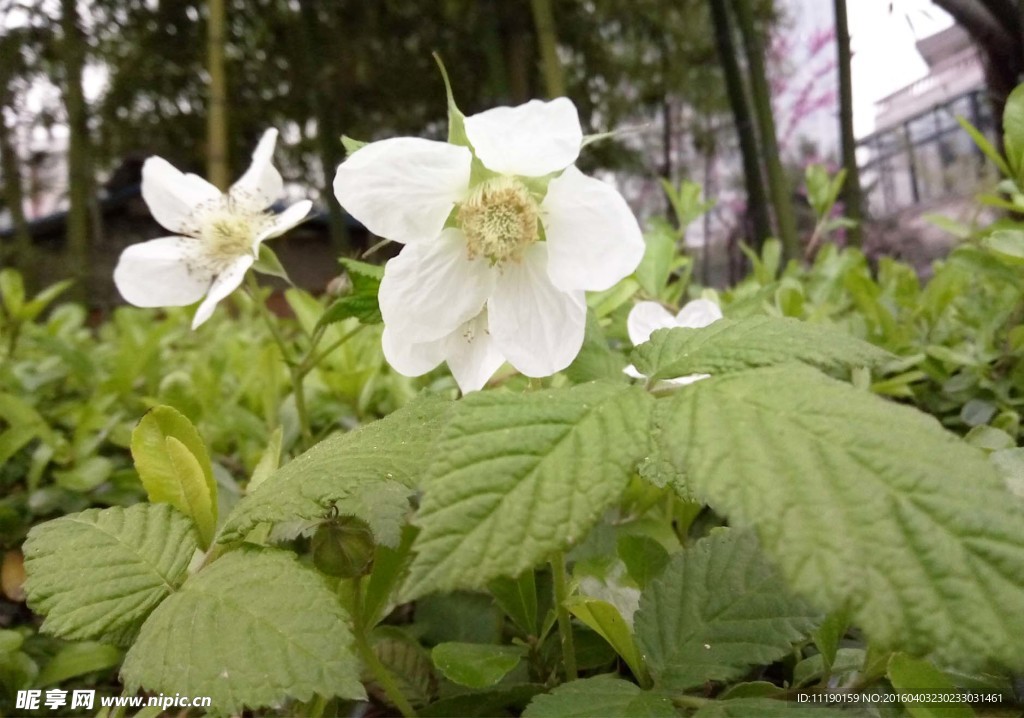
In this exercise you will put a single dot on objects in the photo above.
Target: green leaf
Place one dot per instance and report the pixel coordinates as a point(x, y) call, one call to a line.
point(608, 623)
point(269, 461)
point(98, 574)
point(517, 597)
point(476, 665)
point(362, 302)
point(601, 696)
point(268, 263)
point(865, 505)
point(518, 476)
point(12, 292)
point(1013, 129)
point(655, 268)
point(77, 659)
point(251, 629)
point(595, 359)
point(645, 558)
point(389, 565)
point(351, 146)
point(914, 676)
point(1007, 244)
point(985, 146)
point(368, 473)
point(766, 708)
point(718, 608)
point(408, 662)
point(731, 345)
point(175, 468)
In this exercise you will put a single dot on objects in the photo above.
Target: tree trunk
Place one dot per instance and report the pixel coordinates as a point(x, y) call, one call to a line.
point(22, 255)
point(778, 185)
point(80, 180)
point(217, 162)
point(756, 199)
point(851, 187)
point(325, 93)
point(547, 39)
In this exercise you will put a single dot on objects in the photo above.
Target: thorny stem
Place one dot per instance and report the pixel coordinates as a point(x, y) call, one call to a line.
point(380, 672)
point(297, 388)
point(561, 589)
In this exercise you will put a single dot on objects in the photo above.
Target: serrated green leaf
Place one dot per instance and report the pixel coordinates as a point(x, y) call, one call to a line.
point(601, 696)
point(985, 146)
point(77, 659)
point(865, 505)
point(518, 476)
point(608, 623)
point(766, 708)
point(718, 608)
point(174, 467)
point(645, 558)
point(368, 473)
point(407, 661)
point(475, 665)
point(251, 629)
point(911, 676)
point(731, 345)
point(98, 574)
point(361, 302)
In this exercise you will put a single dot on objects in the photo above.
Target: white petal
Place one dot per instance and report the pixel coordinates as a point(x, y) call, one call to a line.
point(472, 356)
point(698, 313)
point(410, 359)
point(530, 140)
point(433, 287)
point(225, 283)
point(404, 188)
point(594, 238)
point(164, 272)
point(535, 325)
point(631, 371)
point(261, 184)
point(176, 199)
point(286, 220)
point(646, 317)
point(684, 380)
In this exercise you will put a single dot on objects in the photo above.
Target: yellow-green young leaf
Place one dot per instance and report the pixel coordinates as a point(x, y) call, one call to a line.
point(475, 665)
point(731, 345)
point(1013, 129)
point(911, 676)
point(602, 696)
point(174, 467)
point(368, 473)
point(865, 505)
point(718, 608)
point(253, 628)
point(517, 476)
point(78, 659)
point(98, 574)
point(607, 622)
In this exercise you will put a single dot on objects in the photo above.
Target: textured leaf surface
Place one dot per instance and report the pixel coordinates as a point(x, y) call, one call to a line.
point(368, 473)
point(362, 301)
point(518, 476)
point(731, 345)
point(252, 628)
point(601, 696)
point(717, 608)
point(98, 574)
point(865, 505)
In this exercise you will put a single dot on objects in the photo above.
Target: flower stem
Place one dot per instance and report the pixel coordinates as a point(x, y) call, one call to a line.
point(380, 672)
point(310, 361)
point(561, 588)
point(297, 388)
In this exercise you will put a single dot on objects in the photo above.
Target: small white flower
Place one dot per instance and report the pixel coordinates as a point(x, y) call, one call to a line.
point(219, 234)
point(647, 317)
point(495, 266)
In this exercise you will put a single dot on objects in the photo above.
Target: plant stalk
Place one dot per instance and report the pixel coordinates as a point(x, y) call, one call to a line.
point(380, 672)
point(561, 589)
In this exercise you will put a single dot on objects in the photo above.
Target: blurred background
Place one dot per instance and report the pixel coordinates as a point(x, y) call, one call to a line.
point(90, 88)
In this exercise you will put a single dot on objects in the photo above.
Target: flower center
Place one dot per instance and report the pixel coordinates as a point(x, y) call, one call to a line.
point(499, 220)
point(227, 235)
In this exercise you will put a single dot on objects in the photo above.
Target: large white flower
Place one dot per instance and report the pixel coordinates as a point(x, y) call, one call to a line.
point(502, 240)
point(218, 234)
point(647, 317)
